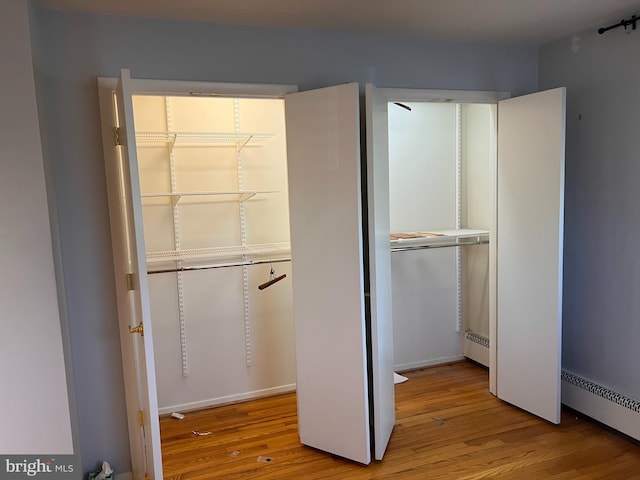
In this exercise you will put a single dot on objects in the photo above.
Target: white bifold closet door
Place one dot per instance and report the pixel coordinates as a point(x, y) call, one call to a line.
point(341, 373)
point(530, 218)
point(134, 309)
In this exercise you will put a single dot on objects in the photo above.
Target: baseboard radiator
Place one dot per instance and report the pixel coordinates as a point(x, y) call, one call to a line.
point(601, 403)
point(476, 347)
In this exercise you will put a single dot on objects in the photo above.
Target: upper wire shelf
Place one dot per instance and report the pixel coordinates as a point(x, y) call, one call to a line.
point(210, 253)
point(194, 139)
point(240, 195)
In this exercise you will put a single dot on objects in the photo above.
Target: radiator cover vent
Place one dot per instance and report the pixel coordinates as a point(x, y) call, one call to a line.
point(476, 338)
point(601, 391)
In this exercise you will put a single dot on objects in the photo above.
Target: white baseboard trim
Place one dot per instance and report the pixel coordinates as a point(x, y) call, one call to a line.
point(210, 402)
point(602, 404)
point(403, 367)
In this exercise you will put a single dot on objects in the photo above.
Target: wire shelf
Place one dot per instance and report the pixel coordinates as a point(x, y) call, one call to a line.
point(440, 238)
point(240, 140)
point(240, 195)
point(250, 251)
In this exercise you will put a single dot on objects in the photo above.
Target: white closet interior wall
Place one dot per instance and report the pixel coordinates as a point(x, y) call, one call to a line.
point(478, 154)
point(217, 338)
point(434, 301)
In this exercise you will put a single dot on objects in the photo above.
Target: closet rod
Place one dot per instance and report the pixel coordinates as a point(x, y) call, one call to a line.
point(218, 265)
point(478, 241)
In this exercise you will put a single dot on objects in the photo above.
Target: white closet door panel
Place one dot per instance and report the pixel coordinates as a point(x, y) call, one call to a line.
point(327, 275)
point(380, 269)
point(137, 350)
point(531, 136)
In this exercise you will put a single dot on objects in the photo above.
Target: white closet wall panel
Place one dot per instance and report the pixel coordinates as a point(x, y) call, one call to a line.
point(328, 285)
point(422, 191)
point(215, 338)
point(422, 166)
point(155, 175)
point(424, 307)
point(264, 169)
point(163, 297)
point(475, 285)
point(478, 189)
point(478, 156)
point(150, 113)
point(196, 114)
point(275, 352)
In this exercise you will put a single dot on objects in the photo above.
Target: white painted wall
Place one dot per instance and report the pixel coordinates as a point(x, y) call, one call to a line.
point(34, 404)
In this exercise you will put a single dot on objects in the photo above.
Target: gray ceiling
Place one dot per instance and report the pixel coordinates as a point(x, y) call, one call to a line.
point(533, 22)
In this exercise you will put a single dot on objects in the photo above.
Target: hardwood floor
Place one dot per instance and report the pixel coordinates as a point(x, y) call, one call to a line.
point(448, 426)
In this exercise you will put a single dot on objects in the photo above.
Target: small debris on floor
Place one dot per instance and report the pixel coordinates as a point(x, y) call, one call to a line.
point(201, 434)
point(177, 416)
point(438, 421)
point(235, 453)
point(264, 459)
point(399, 378)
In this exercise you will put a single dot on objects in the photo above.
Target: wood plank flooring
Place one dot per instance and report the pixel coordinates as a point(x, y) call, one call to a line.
point(448, 426)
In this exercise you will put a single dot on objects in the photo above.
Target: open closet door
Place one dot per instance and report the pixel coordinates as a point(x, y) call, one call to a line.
point(323, 154)
point(380, 268)
point(530, 216)
point(131, 274)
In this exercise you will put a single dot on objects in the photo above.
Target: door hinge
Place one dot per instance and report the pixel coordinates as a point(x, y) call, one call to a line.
point(141, 418)
point(116, 136)
point(137, 329)
point(130, 283)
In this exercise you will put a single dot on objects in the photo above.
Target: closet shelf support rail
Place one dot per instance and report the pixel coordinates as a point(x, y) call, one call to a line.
point(218, 265)
point(479, 240)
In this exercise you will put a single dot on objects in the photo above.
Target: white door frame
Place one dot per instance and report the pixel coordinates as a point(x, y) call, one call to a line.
point(464, 96)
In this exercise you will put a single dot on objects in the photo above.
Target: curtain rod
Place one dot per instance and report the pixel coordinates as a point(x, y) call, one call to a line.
point(623, 23)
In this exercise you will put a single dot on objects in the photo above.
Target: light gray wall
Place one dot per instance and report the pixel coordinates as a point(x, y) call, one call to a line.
point(35, 410)
point(601, 307)
point(75, 48)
